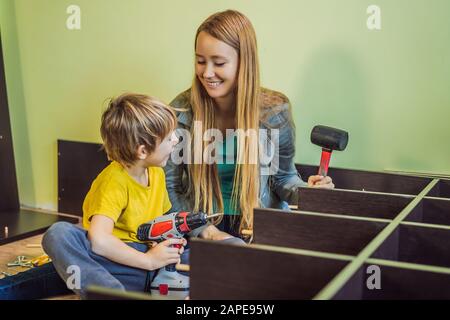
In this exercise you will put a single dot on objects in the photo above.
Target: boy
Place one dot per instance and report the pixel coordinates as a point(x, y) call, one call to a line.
point(138, 136)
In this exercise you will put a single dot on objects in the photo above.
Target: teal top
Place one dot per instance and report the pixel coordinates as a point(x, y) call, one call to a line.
point(226, 169)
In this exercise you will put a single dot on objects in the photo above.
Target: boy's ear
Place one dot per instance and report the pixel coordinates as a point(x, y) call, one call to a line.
point(142, 152)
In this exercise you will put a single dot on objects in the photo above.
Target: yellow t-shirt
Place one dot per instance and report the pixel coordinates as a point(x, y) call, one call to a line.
point(115, 194)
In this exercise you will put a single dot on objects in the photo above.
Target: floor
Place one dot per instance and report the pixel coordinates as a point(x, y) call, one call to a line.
point(29, 247)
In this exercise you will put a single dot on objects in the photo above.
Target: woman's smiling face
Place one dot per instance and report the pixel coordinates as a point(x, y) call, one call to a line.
point(216, 66)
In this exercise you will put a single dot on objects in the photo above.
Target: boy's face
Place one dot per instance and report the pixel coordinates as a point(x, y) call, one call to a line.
point(162, 151)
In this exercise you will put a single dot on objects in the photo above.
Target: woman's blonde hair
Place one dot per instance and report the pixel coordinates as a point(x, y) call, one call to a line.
point(132, 120)
point(236, 30)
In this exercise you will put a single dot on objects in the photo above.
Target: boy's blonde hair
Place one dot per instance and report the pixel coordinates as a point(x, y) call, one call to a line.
point(132, 120)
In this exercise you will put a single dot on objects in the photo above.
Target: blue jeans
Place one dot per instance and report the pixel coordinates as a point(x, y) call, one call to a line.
point(68, 245)
point(37, 283)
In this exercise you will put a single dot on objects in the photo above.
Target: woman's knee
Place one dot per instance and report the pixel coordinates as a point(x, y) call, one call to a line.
point(234, 241)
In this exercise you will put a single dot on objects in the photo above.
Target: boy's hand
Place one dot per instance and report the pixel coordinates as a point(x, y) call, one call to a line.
point(163, 253)
point(319, 181)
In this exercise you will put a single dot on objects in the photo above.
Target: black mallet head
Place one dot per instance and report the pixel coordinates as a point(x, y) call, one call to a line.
point(329, 139)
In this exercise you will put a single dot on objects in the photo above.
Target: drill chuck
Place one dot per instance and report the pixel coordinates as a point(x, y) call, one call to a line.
point(196, 220)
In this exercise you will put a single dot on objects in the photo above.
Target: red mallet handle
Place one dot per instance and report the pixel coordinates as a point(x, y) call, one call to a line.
point(324, 162)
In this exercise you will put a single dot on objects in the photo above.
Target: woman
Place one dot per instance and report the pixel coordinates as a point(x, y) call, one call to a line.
point(226, 94)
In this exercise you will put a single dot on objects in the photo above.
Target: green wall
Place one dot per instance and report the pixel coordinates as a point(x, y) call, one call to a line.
point(17, 105)
point(388, 88)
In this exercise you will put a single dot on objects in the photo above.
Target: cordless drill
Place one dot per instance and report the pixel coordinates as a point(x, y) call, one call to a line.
point(172, 225)
point(169, 282)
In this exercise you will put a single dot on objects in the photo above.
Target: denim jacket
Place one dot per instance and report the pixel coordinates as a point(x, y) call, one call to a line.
point(276, 190)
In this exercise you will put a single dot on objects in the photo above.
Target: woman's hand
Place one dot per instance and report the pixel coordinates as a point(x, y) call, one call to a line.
point(319, 181)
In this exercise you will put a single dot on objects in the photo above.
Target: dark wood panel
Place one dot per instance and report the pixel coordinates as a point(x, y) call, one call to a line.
point(441, 189)
point(26, 223)
point(326, 234)
point(352, 203)
point(397, 284)
point(369, 181)
point(9, 199)
point(417, 245)
point(221, 271)
point(434, 211)
point(79, 163)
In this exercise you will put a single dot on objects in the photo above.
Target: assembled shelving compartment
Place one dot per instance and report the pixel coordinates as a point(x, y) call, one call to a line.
point(313, 232)
point(370, 180)
point(441, 189)
point(230, 272)
point(417, 244)
point(352, 203)
point(432, 211)
point(396, 283)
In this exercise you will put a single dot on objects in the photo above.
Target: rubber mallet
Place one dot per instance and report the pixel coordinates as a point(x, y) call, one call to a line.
point(329, 139)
